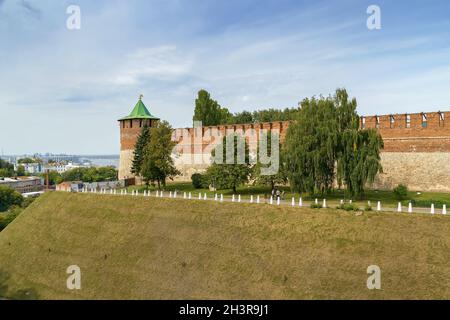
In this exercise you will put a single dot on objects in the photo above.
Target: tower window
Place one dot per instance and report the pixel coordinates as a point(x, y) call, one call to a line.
point(377, 122)
point(408, 121)
point(131, 123)
point(441, 119)
point(424, 120)
point(363, 122)
point(391, 121)
point(123, 124)
point(140, 123)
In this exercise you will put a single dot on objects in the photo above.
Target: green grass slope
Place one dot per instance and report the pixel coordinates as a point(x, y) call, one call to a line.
point(148, 248)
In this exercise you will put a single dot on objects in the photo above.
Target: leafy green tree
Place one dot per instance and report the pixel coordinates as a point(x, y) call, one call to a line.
point(27, 160)
point(141, 142)
point(54, 177)
point(208, 111)
point(280, 177)
point(20, 172)
point(326, 139)
point(310, 146)
point(358, 154)
point(92, 174)
point(157, 165)
point(230, 175)
point(6, 169)
point(9, 197)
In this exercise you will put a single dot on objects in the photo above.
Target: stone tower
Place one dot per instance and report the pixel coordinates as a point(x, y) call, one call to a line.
point(130, 128)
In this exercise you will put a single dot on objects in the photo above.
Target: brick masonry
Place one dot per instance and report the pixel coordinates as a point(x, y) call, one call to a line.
point(416, 152)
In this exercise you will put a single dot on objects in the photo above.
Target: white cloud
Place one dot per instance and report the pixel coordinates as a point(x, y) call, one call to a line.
point(162, 62)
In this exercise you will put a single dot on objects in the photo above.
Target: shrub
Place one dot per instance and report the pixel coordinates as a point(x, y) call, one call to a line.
point(427, 203)
point(197, 180)
point(315, 206)
point(348, 207)
point(401, 192)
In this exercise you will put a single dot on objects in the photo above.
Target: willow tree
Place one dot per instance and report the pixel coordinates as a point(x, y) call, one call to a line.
point(325, 140)
point(310, 146)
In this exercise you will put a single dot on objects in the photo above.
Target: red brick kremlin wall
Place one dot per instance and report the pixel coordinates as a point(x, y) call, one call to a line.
point(416, 152)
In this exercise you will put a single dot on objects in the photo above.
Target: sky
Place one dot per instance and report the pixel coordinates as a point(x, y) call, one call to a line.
point(62, 90)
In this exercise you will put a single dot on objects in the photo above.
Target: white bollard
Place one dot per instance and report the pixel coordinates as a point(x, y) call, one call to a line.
point(293, 202)
point(239, 198)
point(215, 197)
point(324, 205)
point(190, 195)
point(184, 195)
point(378, 205)
point(157, 193)
point(221, 197)
point(300, 202)
point(271, 200)
point(232, 198)
point(148, 193)
point(316, 201)
point(175, 194)
point(278, 201)
point(399, 207)
point(444, 209)
point(204, 197)
point(410, 210)
point(145, 193)
point(199, 196)
point(257, 199)
point(432, 208)
point(170, 194)
point(251, 199)
point(126, 192)
point(351, 201)
point(342, 202)
point(369, 204)
point(161, 194)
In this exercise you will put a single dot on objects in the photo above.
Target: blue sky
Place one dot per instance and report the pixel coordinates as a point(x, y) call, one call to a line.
point(63, 90)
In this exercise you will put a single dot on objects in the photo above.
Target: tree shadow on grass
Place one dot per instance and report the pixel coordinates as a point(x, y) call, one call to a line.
point(21, 294)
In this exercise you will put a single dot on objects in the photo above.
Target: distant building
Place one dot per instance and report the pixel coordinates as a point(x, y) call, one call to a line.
point(68, 186)
point(24, 184)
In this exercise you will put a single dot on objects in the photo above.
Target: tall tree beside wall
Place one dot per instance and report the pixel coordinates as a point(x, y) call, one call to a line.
point(327, 133)
point(278, 177)
point(208, 111)
point(138, 154)
point(157, 164)
point(235, 168)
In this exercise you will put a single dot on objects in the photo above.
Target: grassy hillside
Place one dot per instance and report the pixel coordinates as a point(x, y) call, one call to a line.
point(152, 248)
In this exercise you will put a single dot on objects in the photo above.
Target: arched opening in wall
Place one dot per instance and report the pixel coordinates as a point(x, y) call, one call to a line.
point(131, 124)
point(441, 119)
point(377, 122)
point(408, 121)
point(424, 120)
point(140, 123)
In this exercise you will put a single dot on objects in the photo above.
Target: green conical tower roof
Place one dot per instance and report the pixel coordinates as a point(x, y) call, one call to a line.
point(140, 111)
